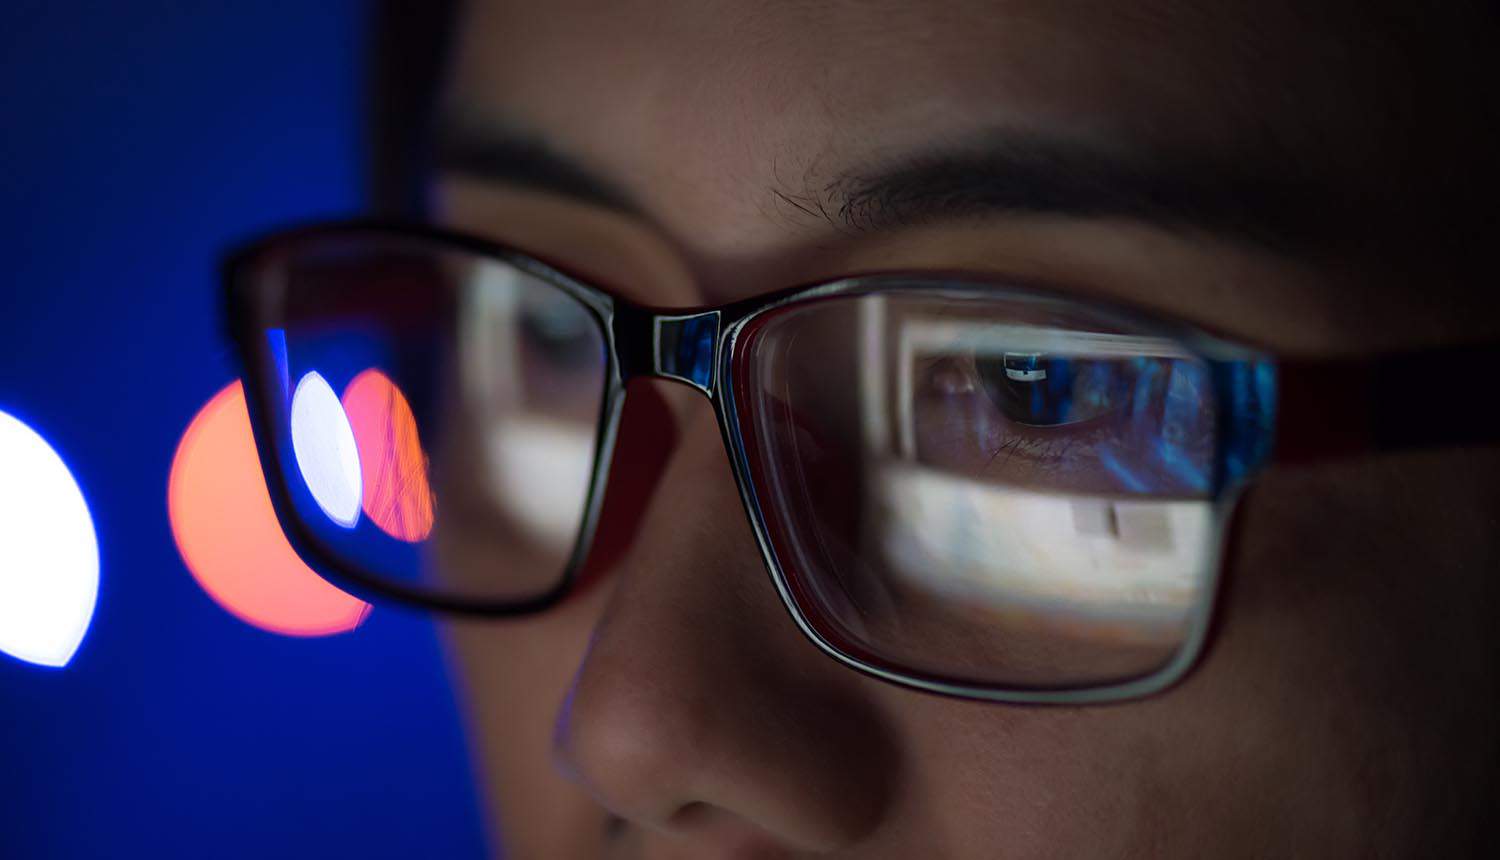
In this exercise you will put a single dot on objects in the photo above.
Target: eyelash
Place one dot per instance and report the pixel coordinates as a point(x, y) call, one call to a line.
point(1045, 452)
point(1050, 448)
point(1047, 447)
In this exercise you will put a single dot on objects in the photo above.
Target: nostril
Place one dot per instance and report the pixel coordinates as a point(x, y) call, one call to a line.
point(690, 816)
point(712, 831)
point(614, 826)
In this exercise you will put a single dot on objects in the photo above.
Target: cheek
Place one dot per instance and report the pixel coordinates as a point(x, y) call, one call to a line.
point(1345, 622)
point(981, 780)
point(1187, 773)
point(514, 677)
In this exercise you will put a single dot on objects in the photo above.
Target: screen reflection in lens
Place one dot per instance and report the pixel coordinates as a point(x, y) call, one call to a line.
point(977, 488)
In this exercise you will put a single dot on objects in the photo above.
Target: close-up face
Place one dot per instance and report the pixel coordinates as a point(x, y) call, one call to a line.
point(1283, 176)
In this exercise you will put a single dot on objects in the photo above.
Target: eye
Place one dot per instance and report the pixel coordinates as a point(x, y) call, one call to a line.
point(1040, 390)
point(559, 333)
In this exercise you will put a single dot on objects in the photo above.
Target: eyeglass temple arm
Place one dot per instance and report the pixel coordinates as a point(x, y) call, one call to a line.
point(1331, 409)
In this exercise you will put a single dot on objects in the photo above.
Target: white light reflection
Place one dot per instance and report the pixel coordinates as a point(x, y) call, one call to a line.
point(538, 463)
point(1112, 557)
point(49, 553)
point(326, 452)
point(539, 469)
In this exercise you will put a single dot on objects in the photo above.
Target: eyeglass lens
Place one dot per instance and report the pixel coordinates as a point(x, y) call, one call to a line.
point(990, 490)
point(956, 483)
point(467, 394)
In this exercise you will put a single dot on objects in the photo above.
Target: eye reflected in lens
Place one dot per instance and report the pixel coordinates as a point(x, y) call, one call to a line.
point(473, 393)
point(998, 492)
point(1041, 390)
point(532, 362)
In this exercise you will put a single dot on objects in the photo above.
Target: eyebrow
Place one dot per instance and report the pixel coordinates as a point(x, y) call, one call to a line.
point(506, 155)
point(1000, 174)
point(1011, 174)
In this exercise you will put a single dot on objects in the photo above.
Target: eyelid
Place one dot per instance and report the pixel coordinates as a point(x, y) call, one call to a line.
point(998, 338)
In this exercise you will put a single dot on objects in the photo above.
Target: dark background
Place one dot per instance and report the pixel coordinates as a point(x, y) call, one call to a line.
point(139, 139)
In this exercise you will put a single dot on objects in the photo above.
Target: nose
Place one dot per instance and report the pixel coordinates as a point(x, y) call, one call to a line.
point(699, 708)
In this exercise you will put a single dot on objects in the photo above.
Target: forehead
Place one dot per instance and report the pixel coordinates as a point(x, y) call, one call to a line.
point(716, 117)
point(716, 96)
point(773, 52)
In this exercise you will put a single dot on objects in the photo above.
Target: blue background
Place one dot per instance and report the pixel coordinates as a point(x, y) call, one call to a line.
point(138, 140)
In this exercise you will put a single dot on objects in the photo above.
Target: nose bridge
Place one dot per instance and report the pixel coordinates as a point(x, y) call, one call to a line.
point(695, 695)
point(679, 347)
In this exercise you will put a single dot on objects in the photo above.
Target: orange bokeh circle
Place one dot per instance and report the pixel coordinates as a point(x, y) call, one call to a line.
point(228, 535)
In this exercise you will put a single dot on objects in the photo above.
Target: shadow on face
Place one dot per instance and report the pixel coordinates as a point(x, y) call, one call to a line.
point(1290, 175)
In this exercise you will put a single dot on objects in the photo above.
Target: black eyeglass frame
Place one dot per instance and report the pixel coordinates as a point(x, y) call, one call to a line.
point(1322, 409)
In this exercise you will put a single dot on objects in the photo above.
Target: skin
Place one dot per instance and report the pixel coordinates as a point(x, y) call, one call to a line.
point(1346, 704)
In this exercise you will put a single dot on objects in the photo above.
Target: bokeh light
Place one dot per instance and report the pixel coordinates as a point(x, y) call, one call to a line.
point(49, 553)
point(326, 453)
point(228, 535)
point(397, 497)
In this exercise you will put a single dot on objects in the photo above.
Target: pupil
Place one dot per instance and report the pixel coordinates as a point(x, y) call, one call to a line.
point(1047, 391)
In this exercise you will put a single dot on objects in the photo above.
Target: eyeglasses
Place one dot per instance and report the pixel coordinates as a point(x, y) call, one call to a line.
point(980, 489)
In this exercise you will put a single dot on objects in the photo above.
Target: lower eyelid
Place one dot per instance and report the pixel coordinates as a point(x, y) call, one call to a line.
point(1052, 445)
point(1082, 456)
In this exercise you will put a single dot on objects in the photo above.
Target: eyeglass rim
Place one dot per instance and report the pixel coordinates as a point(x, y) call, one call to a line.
point(241, 294)
point(734, 318)
point(1223, 503)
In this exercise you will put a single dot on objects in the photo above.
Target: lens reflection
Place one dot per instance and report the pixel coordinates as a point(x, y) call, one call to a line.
point(993, 491)
point(397, 497)
point(327, 456)
point(473, 390)
point(534, 377)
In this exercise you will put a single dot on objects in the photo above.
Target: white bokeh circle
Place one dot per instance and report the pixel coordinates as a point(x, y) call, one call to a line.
point(49, 552)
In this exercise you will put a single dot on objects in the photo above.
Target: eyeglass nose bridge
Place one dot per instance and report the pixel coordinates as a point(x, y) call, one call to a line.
point(676, 347)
